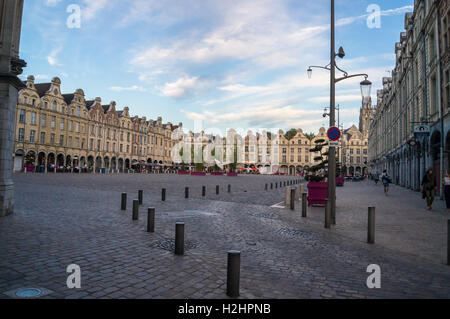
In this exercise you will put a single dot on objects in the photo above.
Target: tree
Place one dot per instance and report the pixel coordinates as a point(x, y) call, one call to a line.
point(319, 145)
point(310, 136)
point(291, 133)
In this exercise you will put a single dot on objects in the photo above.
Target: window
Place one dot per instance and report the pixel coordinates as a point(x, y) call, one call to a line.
point(53, 121)
point(77, 142)
point(61, 140)
point(128, 148)
point(98, 145)
point(121, 148)
point(99, 131)
point(32, 134)
point(91, 144)
point(42, 141)
point(107, 146)
point(21, 134)
point(52, 139)
point(22, 116)
point(45, 105)
point(54, 106)
point(61, 124)
point(78, 111)
point(33, 118)
point(43, 119)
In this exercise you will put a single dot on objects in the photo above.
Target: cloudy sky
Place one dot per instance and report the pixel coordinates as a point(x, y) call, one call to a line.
point(239, 64)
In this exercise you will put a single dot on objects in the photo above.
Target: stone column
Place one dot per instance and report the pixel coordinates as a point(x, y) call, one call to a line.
point(10, 67)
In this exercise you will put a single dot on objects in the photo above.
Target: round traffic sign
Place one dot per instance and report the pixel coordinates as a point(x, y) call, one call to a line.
point(334, 133)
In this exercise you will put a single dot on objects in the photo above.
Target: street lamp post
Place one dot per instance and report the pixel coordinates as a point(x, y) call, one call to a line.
point(366, 86)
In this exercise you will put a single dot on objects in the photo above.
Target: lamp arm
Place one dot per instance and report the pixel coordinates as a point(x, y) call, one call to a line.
point(320, 67)
point(350, 76)
point(345, 72)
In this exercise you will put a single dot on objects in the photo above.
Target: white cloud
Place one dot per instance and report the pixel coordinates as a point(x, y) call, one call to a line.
point(91, 8)
point(52, 58)
point(180, 87)
point(52, 3)
point(131, 88)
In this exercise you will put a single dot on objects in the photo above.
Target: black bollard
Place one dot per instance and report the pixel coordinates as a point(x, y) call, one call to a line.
point(233, 273)
point(229, 188)
point(204, 191)
point(151, 220)
point(217, 189)
point(123, 205)
point(281, 185)
point(266, 186)
point(179, 238)
point(163, 194)
point(304, 204)
point(140, 196)
point(135, 209)
point(186, 192)
point(327, 214)
point(276, 185)
point(371, 226)
point(292, 198)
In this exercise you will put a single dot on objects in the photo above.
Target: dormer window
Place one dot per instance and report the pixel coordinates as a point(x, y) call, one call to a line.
point(54, 106)
point(55, 92)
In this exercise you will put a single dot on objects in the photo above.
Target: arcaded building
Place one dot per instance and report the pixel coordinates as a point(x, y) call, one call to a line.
point(57, 131)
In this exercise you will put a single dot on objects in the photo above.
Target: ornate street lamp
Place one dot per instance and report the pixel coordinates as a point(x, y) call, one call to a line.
point(366, 86)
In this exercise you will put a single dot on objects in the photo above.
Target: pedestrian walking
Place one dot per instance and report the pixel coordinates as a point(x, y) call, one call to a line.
point(429, 188)
point(385, 179)
point(446, 185)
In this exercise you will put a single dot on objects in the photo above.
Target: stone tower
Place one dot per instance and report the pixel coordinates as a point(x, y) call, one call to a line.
point(364, 116)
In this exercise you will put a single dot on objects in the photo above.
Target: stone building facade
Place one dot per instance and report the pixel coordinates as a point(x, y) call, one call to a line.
point(56, 130)
point(415, 95)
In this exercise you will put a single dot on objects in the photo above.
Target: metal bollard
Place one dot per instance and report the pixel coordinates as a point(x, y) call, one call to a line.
point(204, 191)
point(217, 189)
point(280, 185)
point(229, 188)
point(266, 186)
point(140, 196)
point(292, 198)
point(371, 226)
point(304, 204)
point(276, 185)
point(233, 273)
point(163, 194)
point(135, 209)
point(179, 238)
point(123, 204)
point(327, 214)
point(151, 220)
point(186, 192)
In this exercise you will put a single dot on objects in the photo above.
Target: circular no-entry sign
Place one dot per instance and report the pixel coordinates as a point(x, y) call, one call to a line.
point(334, 133)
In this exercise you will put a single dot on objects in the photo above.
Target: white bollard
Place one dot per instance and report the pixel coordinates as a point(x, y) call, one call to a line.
point(288, 196)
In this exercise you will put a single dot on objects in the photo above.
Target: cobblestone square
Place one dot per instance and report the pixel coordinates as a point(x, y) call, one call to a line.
point(63, 219)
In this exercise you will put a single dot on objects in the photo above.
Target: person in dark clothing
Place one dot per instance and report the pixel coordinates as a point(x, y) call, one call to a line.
point(429, 188)
point(446, 185)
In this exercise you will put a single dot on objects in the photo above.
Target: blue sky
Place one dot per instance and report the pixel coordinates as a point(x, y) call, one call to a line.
point(239, 64)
